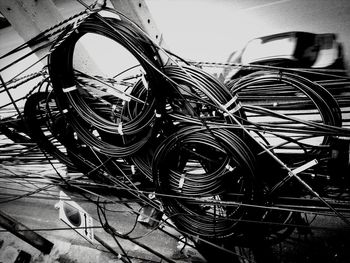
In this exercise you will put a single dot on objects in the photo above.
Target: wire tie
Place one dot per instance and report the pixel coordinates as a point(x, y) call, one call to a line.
point(106, 14)
point(120, 128)
point(69, 89)
point(152, 195)
point(236, 108)
point(161, 207)
point(303, 167)
point(158, 115)
point(96, 149)
point(230, 102)
point(133, 171)
point(75, 26)
point(229, 167)
point(144, 81)
point(280, 74)
point(181, 182)
point(168, 107)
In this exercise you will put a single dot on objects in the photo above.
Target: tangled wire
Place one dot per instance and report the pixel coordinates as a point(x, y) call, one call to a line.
point(225, 160)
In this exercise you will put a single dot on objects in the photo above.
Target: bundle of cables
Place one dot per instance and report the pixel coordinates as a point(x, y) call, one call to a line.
point(281, 104)
point(212, 152)
point(191, 98)
point(200, 95)
point(48, 128)
point(194, 170)
point(38, 114)
point(298, 120)
point(218, 157)
point(116, 125)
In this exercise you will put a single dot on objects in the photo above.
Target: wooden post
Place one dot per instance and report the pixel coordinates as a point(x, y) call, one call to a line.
point(24, 233)
point(138, 12)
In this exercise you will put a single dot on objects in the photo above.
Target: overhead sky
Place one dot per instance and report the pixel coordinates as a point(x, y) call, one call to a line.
point(212, 29)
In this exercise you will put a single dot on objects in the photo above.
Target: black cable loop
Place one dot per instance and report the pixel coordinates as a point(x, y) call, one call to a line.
point(123, 34)
point(324, 102)
point(206, 185)
point(35, 123)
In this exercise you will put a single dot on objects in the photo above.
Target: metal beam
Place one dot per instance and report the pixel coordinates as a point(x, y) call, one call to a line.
point(138, 12)
point(24, 233)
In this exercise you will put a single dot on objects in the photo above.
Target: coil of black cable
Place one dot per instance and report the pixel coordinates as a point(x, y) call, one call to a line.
point(314, 108)
point(192, 168)
point(83, 111)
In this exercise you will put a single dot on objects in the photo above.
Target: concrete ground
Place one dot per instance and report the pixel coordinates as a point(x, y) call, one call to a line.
point(39, 212)
point(327, 240)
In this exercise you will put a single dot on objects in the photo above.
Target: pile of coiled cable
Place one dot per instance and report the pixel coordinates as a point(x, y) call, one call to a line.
point(193, 166)
point(207, 150)
point(116, 126)
point(300, 118)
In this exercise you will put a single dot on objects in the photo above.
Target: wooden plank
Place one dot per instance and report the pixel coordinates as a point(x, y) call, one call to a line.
point(24, 233)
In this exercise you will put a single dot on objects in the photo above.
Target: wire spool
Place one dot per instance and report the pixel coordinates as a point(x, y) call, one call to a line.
point(192, 170)
point(291, 109)
point(199, 94)
point(143, 159)
point(47, 127)
point(36, 118)
point(116, 123)
point(297, 119)
point(191, 97)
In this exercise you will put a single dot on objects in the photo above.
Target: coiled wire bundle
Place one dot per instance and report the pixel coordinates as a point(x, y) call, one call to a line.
point(300, 116)
point(221, 161)
point(40, 117)
point(102, 121)
point(192, 167)
point(201, 94)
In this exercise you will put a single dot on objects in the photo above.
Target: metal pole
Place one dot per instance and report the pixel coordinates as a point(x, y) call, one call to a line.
point(24, 233)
